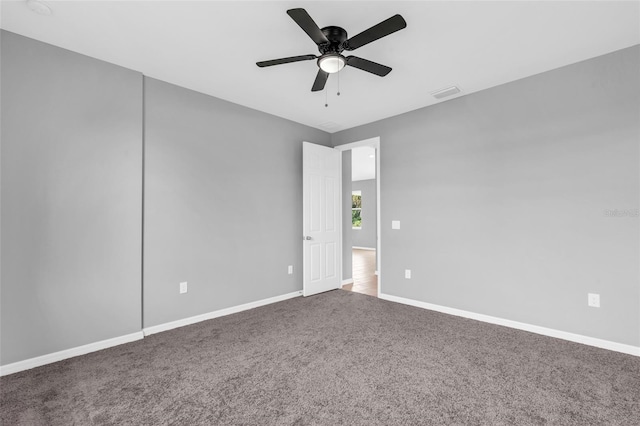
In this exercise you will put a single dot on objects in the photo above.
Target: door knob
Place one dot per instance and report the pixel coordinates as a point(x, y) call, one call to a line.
point(307, 237)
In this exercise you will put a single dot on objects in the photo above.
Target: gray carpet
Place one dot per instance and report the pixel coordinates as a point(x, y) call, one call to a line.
point(332, 359)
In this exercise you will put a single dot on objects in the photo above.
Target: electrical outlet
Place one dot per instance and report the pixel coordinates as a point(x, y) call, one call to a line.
point(407, 274)
point(290, 270)
point(593, 300)
point(395, 224)
point(183, 287)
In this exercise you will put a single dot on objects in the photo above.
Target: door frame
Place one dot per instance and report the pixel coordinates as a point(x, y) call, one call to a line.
point(375, 143)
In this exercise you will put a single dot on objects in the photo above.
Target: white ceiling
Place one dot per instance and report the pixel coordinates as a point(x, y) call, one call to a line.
point(212, 47)
point(363, 163)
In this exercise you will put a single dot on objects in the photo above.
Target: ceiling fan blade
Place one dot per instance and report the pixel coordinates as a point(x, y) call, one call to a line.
point(321, 80)
point(384, 28)
point(290, 59)
point(369, 66)
point(305, 22)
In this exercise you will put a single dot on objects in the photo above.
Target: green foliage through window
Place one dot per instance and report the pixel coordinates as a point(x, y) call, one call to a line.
point(356, 209)
point(356, 220)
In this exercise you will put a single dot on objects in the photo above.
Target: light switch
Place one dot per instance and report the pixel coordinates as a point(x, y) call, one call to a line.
point(395, 224)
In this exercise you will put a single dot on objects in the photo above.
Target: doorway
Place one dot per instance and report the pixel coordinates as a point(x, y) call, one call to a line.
point(361, 212)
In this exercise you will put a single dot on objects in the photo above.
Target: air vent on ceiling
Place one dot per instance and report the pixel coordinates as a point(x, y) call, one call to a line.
point(445, 92)
point(329, 125)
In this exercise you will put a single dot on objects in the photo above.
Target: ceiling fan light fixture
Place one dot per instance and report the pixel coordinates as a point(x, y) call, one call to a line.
point(331, 62)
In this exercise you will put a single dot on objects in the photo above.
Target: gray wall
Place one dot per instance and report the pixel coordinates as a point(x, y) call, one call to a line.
point(366, 236)
point(347, 259)
point(502, 197)
point(223, 203)
point(71, 199)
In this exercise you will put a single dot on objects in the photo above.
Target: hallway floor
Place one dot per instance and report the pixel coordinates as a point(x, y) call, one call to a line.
point(365, 280)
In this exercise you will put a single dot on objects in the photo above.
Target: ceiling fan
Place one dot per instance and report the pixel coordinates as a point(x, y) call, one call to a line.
point(332, 41)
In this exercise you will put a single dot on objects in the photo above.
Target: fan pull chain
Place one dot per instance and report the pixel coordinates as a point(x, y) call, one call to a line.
point(338, 83)
point(326, 97)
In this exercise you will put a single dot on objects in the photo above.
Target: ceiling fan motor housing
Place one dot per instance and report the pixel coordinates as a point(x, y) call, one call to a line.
point(337, 37)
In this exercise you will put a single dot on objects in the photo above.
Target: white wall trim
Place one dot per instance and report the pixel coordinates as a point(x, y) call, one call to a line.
point(375, 143)
point(366, 142)
point(578, 338)
point(347, 281)
point(28, 364)
point(219, 313)
point(363, 248)
point(104, 344)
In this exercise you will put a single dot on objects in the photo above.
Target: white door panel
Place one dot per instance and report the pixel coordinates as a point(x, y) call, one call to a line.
point(321, 218)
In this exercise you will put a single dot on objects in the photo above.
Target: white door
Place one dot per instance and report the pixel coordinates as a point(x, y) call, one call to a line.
point(321, 169)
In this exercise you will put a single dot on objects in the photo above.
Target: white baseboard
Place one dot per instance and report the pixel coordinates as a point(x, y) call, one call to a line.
point(104, 344)
point(363, 248)
point(219, 313)
point(578, 338)
point(347, 282)
point(28, 364)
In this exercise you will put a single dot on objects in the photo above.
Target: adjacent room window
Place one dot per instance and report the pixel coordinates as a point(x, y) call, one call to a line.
point(356, 209)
